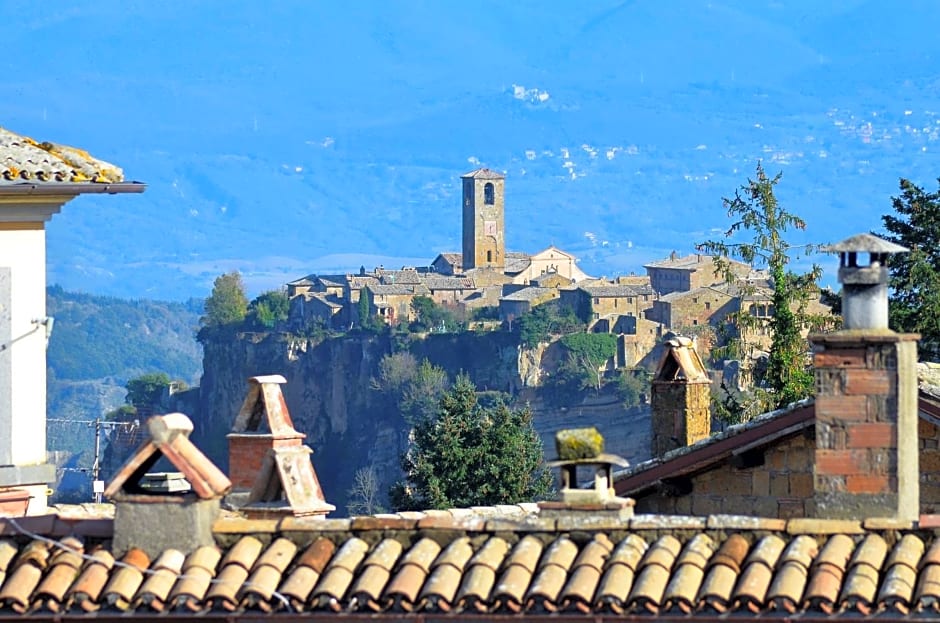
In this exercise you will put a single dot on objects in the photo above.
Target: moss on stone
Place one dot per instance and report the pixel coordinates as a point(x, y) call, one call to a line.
point(579, 443)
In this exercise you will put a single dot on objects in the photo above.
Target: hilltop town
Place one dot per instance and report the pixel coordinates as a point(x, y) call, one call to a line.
point(684, 294)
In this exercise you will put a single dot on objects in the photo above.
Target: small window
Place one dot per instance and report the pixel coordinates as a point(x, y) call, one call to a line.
point(489, 194)
point(489, 256)
point(708, 304)
point(597, 301)
point(695, 322)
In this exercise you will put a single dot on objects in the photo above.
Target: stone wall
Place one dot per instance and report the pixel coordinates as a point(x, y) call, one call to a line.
point(782, 486)
point(929, 445)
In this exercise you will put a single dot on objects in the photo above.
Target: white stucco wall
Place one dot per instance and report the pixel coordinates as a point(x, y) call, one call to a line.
point(23, 355)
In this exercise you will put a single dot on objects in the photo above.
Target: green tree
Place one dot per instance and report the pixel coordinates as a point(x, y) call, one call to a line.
point(755, 213)
point(416, 388)
point(146, 389)
point(430, 316)
point(470, 455)
point(587, 355)
point(633, 384)
point(227, 304)
point(367, 322)
point(543, 321)
point(268, 309)
point(914, 303)
point(422, 394)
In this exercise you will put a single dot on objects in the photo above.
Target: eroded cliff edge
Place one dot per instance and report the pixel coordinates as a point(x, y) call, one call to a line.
point(349, 425)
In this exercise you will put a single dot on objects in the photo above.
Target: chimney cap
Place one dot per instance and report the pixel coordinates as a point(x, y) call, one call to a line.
point(864, 243)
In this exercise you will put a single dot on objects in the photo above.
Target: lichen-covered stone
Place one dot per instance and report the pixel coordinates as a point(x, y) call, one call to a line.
point(579, 443)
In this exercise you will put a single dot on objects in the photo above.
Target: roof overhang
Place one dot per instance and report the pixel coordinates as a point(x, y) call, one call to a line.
point(70, 189)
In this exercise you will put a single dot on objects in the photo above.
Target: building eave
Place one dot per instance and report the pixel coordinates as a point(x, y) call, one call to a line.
point(70, 188)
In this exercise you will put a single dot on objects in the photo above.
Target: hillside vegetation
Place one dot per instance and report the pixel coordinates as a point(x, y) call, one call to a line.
point(99, 336)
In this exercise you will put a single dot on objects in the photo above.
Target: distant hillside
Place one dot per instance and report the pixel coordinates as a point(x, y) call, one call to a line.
point(97, 344)
point(99, 336)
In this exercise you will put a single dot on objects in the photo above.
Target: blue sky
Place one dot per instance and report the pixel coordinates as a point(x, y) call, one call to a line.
point(292, 137)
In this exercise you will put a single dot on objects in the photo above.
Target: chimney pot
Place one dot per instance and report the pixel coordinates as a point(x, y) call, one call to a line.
point(864, 286)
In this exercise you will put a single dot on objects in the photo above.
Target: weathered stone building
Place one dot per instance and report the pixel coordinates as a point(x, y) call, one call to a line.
point(681, 274)
point(484, 230)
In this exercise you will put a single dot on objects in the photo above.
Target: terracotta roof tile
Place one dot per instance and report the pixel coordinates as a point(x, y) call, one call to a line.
point(301, 580)
point(654, 573)
point(689, 572)
point(266, 575)
point(552, 573)
point(198, 572)
point(87, 588)
point(225, 592)
point(786, 591)
point(578, 593)
point(157, 586)
point(723, 570)
point(521, 563)
point(441, 588)
point(403, 589)
point(385, 572)
point(751, 591)
point(24, 160)
point(339, 574)
point(63, 570)
point(126, 579)
point(375, 574)
point(827, 573)
point(480, 576)
point(619, 574)
point(861, 583)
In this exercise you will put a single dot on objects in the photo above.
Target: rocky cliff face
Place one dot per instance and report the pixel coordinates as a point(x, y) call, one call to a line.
point(350, 426)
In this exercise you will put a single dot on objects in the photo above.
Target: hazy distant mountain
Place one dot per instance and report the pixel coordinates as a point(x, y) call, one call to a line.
point(298, 137)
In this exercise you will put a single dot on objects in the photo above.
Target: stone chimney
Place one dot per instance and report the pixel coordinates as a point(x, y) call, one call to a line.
point(268, 461)
point(583, 448)
point(680, 397)
point(262, 423)
point(866, 457)
point(152, 516)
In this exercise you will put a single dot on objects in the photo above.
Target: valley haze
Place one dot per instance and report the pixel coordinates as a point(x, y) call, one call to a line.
point(286, 138)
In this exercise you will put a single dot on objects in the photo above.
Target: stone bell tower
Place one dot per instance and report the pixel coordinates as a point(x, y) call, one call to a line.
point(484, 234)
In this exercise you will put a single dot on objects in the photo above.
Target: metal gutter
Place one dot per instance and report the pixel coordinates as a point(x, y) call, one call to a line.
point(71, 188)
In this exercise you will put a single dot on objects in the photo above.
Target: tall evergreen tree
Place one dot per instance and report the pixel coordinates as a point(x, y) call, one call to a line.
point(914, 304)
point(756, 213)
point(470, 455)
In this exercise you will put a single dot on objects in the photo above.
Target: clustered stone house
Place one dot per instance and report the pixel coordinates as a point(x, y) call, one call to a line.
point(682, 294)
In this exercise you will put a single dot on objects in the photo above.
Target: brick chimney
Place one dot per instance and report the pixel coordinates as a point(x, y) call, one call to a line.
point(866, 458)
point(268, 461)
point(680, 397)
point(263, 422)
